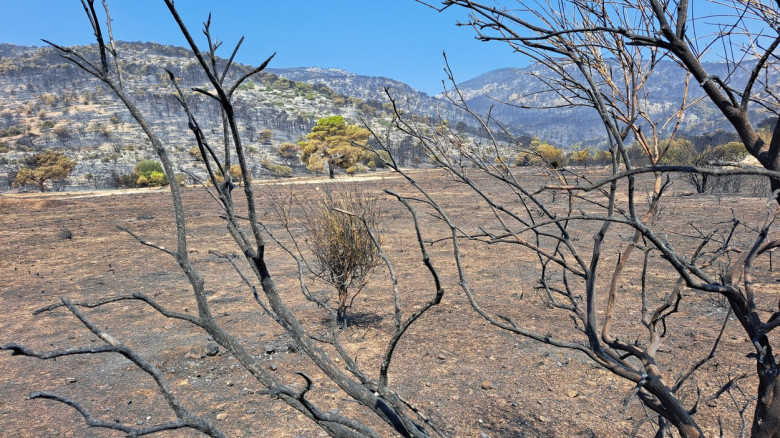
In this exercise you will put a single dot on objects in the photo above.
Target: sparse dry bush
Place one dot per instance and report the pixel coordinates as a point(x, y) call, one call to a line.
point(339, 228)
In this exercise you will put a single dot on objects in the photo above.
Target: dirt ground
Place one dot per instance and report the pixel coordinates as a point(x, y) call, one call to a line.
point(471, 378)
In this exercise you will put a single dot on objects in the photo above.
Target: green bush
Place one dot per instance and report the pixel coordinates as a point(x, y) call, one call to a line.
point(379, 158)
point(149, 173)
point(280, 170)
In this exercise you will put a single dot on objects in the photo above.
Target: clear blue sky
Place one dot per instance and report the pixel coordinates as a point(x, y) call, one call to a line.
point(399, 39)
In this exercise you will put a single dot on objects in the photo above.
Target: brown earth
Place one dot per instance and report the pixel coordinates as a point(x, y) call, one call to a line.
point(464, 374)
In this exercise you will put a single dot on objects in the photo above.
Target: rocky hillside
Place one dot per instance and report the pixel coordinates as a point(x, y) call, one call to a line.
point(46, 102)
point(563, 127)
point(372, 89)
point(581, 125)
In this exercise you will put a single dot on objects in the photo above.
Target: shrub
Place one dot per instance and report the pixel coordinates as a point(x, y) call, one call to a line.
point(379, 158)
point(12, 131)
point(46, 124)
point(149, 173)
point(523, 159)
point(235, 173)
point(344, 253)
point(119, 181)
point(550, 155)
point(195, 153)
point(289, 150)
point(266, 136)
point(356, 168)
point(280, 170)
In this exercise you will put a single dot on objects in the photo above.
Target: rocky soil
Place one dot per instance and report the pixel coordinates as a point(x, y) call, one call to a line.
point(469, 377)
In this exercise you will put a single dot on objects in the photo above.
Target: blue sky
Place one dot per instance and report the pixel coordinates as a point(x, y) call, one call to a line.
point(399, 39)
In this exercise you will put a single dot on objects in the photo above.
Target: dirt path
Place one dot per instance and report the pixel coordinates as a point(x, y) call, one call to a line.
point(374, 176)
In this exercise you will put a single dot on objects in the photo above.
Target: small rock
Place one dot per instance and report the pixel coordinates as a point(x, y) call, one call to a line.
point(212, 349)
point(591, 383)
point(72, 380)
point(335, 411)
point(483, 435)
point(192, 354)
point(542, 419)
point(269, 348)
point(221, 416)
point(486, 384)
point(428, 384)
point(251, 411)
point(229, 383)
point(572, 394)
point(273, 366)
point(440, 356)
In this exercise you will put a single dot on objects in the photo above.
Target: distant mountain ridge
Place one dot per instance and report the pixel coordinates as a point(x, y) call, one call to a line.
point(365, 87)
point(489, 92)
point(561, 126)
point(372, 88)
point(566, 126)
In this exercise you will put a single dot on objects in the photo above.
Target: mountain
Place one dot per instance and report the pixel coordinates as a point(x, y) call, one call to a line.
point(497, 91)
point(493, 90)
point(47, 102)
point(372, 89)
point(350, 84)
